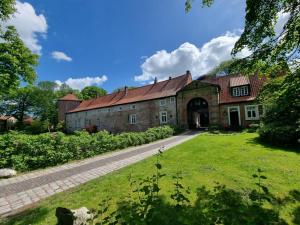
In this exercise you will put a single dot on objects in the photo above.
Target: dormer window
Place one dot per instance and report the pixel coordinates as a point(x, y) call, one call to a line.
point(240, 91)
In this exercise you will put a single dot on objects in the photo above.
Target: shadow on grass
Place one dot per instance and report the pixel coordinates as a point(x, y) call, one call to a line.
point(258, 141)
point(30, 216)
point(218, 206)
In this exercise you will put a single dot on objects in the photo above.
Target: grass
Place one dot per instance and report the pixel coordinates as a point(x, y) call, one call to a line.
point(228, 159)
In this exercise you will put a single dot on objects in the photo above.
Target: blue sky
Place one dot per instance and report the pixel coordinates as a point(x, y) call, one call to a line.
point(127, 41)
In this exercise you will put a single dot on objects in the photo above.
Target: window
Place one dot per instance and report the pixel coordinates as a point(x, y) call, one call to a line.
point(240, 91)
point(163, 116)
point(120, 108)
point(162, 102)
point(132, 119)
point(172, 99)
point(132, 107)
point(251, 112)
point(108, 110)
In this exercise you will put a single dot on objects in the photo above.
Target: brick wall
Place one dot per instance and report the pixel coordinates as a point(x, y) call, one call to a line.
point(197, 89)
point(116, 118)
point(65, 106)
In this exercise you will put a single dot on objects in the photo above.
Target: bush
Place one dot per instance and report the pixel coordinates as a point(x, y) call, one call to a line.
point(253, 127)
point(279, 135)
point(25, 152)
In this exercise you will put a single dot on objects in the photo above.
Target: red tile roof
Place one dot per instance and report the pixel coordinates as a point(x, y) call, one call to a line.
point(224, 82)
point(153, 91)
point(69, 97)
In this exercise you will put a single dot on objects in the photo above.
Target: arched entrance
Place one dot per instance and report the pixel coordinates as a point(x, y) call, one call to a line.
point(198, 115)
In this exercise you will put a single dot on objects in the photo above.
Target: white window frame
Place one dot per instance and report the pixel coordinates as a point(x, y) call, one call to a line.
point(162, 102)
point(240, 91)
point(239, 113)
point(132, 119)
point(256, 112)
point(161, 115)
point(172, 100)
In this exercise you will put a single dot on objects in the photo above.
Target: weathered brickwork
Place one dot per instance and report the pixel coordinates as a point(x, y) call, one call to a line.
point(198, 90)
point(117, 118)
point(177, 101)
point(65, 106)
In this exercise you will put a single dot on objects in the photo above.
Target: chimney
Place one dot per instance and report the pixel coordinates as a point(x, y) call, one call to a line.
point(126, 90)
point(155, 80)
point(170, 78)
point(188, 72)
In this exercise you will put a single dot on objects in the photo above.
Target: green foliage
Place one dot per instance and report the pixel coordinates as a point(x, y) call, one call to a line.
point(271, 51)
point(92, 92)
point(281, 123)
point(18, 102)
point(7, 8)
point(218, 206)
point(223, 68)
point(28, 152)
point(17, 62)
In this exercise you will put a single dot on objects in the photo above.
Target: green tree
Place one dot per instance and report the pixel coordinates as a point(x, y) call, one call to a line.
point(45, 102)
point(223, 68)
point(7, 7)
point(271, 51)
point(18, 103)
point(92, 92)
point(17, 62)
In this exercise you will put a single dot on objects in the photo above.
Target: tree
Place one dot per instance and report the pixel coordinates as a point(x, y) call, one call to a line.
point(223, 68)
point(7, 8)
point(45, 102)
point(92, 92)
point(18, 102)
point(17, 62)
point(271, 52)
point(281, 123)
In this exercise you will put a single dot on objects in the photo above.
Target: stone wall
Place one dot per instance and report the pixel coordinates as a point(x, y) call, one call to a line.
point(197, 89)
point(115, 119)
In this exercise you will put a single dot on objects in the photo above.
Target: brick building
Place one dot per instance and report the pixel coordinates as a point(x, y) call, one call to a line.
point(228, 101)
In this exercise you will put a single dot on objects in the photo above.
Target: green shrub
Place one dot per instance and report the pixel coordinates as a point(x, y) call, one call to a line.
point(25, 152)
point(253, 127)
point(279, 135)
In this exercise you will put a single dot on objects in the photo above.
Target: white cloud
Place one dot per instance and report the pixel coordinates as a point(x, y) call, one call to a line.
point(61, 56)
point(80, 83)
point(29, 25)
point(189, 57)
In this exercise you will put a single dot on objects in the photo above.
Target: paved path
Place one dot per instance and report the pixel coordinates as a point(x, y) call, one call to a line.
point(18, 193)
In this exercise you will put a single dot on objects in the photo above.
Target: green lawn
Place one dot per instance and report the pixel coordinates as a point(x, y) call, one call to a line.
point(228, 159)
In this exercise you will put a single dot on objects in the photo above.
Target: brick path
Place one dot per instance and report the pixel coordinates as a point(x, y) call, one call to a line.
point(18, 193)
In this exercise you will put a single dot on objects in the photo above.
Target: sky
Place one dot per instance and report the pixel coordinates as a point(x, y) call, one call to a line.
point(113, 43)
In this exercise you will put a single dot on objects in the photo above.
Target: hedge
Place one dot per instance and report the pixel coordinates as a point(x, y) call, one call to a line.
point(25, 152)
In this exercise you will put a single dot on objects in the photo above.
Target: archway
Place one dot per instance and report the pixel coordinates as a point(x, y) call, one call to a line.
point(198, 115)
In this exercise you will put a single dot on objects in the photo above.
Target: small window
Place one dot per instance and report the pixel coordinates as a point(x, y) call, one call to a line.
point(251, 112)
point(162, 102)
point(108, 110)
point(120, 108)
point(172, 99)
point(240, 91)
point(132, 107)
point(163, 116)
point(132, 119)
